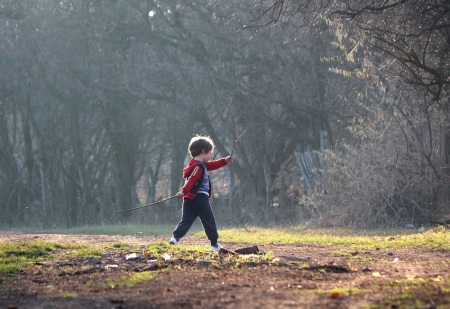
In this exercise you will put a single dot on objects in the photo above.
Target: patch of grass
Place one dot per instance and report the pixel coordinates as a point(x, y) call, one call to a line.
point(68, 295)
point(342, 253)
point(14, 255)
point(128, 229)
point(196, 253)
point(81, 250)
point(85, 251)
point(415, 293)
point(89, 282)
point(180, 252)
point(336, 292)
point(304, 266)
point(132, 279)
point(119, 245)
point(403, 300)
point(385, 239)
point(349, 255)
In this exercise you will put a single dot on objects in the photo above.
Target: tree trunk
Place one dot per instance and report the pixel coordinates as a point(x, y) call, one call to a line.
point(268, 182)
point(10, 184)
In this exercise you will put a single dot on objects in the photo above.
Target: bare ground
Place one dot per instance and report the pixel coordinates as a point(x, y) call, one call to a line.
point(300, 276)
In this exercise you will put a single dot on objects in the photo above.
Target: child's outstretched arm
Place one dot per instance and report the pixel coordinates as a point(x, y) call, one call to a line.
point(215, 164)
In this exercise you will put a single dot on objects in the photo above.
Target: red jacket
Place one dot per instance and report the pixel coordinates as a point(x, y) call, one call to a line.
point(194, 173)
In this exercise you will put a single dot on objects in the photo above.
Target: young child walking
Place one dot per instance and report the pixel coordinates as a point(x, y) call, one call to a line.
point(197, 191)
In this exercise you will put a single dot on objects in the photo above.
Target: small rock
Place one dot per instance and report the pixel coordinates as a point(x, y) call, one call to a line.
point(117, 301)
point(64, 264)
point(248, 250)
point(151, 267)
point(105, 255)
point(92, 262)
point(131, 256)
point(203, 263)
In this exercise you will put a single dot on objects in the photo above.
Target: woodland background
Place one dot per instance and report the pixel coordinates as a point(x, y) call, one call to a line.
point(340, 108)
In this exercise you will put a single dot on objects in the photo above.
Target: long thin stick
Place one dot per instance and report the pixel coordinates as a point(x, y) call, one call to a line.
point(235, 141)
point(131, 209)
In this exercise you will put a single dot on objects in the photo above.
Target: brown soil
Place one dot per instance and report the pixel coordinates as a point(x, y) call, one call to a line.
point(300, 276)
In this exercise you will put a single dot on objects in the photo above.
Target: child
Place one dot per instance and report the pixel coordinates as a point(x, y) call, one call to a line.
point(197, 190)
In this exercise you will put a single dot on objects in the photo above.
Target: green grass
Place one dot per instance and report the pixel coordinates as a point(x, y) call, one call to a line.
point(114, 229)
point(336, 292)
point(130, 229)
point(132, 279)
point(415, 293)
point(13, 255)
point(180, 252)
point(383, 239)
point(68, 295)
point(363, 239)
point(81, 250)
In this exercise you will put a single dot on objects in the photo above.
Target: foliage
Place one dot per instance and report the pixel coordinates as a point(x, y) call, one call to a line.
point(100, 122)
point(390, 163)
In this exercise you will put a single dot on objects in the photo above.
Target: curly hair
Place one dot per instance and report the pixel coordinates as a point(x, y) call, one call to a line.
point(200, 144)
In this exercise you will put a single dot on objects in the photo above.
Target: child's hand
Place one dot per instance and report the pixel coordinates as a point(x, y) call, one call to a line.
point(179, 194)
point(229, 159)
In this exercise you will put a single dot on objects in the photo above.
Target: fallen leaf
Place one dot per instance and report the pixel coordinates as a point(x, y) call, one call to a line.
point(335, 294)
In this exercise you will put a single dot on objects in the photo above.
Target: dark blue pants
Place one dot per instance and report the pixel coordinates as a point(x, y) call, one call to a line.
point(197, 207)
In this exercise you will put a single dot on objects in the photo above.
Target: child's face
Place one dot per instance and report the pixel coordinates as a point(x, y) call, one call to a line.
point(206, 155)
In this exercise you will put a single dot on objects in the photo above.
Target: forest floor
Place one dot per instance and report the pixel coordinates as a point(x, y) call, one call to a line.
point(127, 274)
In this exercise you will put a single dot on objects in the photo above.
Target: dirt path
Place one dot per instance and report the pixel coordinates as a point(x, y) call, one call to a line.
point(300, 276)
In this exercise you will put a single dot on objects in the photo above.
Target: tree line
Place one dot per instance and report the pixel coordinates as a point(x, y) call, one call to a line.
point(100, 98)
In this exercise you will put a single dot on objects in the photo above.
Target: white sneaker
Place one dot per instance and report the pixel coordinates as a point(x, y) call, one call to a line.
point(216, 248)
point(173, 241)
